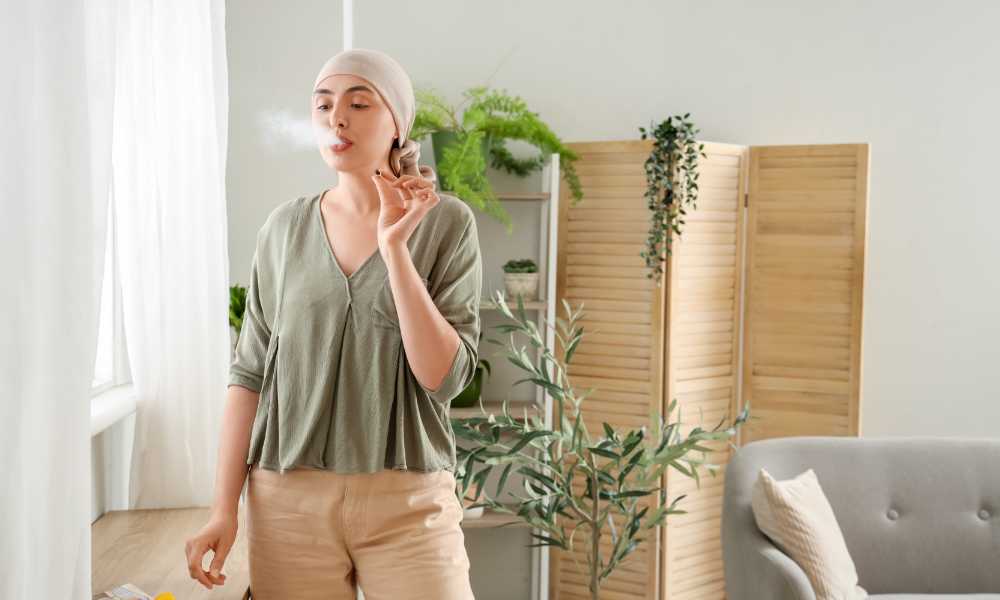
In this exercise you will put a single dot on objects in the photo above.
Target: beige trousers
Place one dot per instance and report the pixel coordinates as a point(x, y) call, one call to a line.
point(316, 534)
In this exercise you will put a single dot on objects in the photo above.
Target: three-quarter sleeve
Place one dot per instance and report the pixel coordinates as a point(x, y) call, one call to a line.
point(247, 367)
point(456, 292)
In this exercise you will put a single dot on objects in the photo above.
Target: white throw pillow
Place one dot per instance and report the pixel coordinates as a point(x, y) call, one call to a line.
point(798, 518)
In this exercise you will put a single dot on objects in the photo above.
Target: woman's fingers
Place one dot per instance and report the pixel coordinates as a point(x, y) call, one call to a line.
point(215, 574)
point(412, 182)
point(405, 189)
point(387, 192)
point(427, 197)
point(195, 553)
point(395, 183)
point(406, 181)
point(410, 187)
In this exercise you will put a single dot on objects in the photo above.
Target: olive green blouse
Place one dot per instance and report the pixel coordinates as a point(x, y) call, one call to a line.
point(325, 351)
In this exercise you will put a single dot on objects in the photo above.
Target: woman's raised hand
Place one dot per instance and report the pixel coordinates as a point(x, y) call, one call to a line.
point(405, 201)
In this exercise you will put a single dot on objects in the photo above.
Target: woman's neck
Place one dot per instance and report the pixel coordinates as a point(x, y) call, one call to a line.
point(356, 193)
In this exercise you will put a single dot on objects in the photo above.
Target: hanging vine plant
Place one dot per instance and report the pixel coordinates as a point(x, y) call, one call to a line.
point(672, 185)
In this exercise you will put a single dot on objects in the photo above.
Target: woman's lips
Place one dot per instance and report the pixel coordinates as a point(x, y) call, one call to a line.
point(341, 147)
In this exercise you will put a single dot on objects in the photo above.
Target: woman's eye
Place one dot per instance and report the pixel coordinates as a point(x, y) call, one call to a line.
point(324, 106)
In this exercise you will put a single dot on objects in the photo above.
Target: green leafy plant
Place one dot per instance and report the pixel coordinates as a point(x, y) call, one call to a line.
point(525, 265)
point(470, 393)
point(619, 471)
point(463, 145)
point(674, 156)
point(237, 307)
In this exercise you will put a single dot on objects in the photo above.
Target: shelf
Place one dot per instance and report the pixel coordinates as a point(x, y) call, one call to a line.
point(496, 407)
point(491, 518)
point(516, 197)
point(485, 304)
point(527, 197)
point(545, 221)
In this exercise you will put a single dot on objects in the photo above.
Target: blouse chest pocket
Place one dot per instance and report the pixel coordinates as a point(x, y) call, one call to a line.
point(384, 306)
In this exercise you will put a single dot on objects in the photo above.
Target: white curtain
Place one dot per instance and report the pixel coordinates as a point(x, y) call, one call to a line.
point(55, 167)
point(171, 106)
point(137, 89)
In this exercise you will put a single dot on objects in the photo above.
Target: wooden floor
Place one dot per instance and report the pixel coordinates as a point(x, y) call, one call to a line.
point(146, 548)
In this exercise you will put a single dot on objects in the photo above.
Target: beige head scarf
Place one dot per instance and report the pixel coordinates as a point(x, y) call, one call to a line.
point(394, 85)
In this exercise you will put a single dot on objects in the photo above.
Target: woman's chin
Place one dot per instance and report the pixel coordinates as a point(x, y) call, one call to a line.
point(334, 161)
point(342, 165)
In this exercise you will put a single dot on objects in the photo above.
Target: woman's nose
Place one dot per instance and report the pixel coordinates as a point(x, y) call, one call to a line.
point(336, 118)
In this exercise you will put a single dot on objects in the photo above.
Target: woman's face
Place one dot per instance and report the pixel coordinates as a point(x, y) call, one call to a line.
point(349, 107)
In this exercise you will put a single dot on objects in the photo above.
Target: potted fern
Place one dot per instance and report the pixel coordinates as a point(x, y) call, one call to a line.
point(464, 145)
point(620, 471)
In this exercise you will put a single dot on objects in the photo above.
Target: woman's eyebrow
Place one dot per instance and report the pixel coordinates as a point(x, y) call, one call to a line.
point(353, 88)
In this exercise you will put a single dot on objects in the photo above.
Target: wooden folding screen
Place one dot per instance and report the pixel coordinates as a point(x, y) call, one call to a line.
point(648, 344)
point(806, 254)
point(645, 343)
point(702, 337)
point(621, 353)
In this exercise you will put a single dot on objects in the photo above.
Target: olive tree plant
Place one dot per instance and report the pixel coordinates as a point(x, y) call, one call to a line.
point(617, 471)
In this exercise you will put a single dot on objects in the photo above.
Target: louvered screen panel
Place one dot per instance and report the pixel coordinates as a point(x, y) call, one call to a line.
point(599, 265)
point(627, 346)
point(807, 229)
point(702, 333)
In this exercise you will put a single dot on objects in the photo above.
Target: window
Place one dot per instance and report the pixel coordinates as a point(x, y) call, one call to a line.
point(111, 361)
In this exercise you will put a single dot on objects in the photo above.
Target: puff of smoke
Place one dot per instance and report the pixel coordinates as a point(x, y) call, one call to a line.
point(282, 127)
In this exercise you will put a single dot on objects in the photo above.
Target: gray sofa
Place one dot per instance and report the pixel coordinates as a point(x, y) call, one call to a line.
point(920, 515)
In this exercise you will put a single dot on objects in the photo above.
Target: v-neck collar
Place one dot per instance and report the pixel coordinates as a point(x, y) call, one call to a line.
point(329, 246)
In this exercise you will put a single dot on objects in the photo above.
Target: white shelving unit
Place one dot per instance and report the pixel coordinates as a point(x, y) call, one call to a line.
point(544, 309)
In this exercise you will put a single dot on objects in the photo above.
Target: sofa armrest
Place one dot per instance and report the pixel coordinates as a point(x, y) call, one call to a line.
point(784, 577)
point(756, 569)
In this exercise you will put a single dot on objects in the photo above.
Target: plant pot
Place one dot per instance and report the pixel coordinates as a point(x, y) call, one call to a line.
point(523, 284)
point(471, 513)
point(442, 139)
point(470, 395)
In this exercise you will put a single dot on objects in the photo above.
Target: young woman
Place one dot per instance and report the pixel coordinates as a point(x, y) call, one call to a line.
point(362, 323)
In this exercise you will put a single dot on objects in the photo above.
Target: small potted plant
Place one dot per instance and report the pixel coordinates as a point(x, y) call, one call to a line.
point(464, 145)
point(237, 307)
point(520, 278)
point(470, 395)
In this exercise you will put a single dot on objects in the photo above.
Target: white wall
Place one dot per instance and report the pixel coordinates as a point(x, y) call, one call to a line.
point(274, 54)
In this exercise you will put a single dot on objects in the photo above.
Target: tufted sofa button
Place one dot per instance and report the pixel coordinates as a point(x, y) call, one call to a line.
point(892, 514)
point(984, 514)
